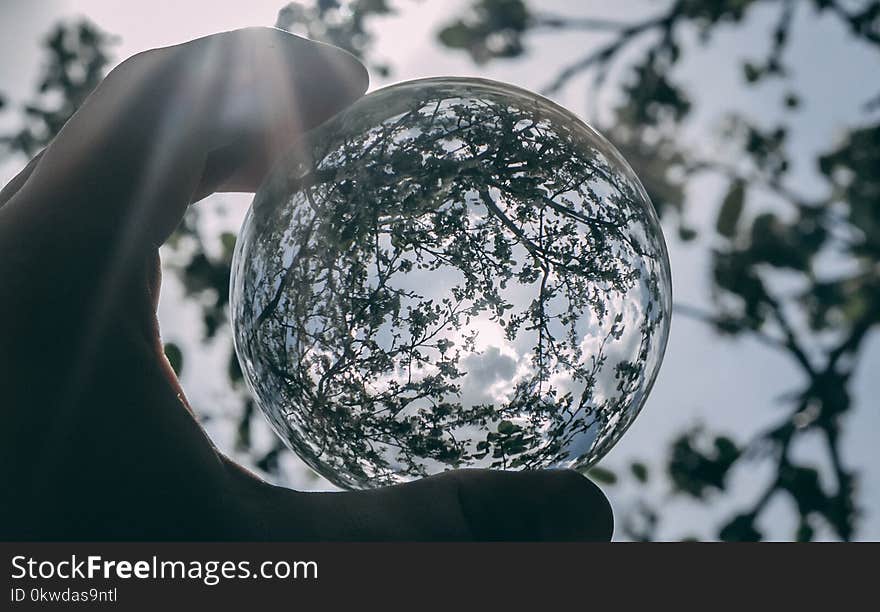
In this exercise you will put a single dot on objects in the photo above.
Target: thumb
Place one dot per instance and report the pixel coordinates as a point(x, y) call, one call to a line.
point(482, 505)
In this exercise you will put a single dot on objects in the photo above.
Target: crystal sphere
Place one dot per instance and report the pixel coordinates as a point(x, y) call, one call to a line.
point(451, 273)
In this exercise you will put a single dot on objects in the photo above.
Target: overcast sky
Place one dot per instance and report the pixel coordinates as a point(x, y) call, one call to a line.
point(730, 385)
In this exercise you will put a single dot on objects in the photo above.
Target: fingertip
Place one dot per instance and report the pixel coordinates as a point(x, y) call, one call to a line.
point(354, 73)
point(542, 505)
point(576, 509)
point(335, 76)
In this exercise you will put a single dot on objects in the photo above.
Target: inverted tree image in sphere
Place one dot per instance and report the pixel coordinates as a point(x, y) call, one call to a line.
point(451, 273)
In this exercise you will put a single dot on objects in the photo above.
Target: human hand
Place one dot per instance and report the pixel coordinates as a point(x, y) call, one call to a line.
point(98, 441)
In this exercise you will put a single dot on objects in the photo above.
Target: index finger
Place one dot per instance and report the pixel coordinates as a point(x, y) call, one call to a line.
point(172, 124)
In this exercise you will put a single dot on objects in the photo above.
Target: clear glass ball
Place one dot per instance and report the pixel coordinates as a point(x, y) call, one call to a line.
point(451, 273)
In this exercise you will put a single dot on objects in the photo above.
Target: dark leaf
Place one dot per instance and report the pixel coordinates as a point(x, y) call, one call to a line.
point(731, 209)
point(175, 357)
point(602, 475)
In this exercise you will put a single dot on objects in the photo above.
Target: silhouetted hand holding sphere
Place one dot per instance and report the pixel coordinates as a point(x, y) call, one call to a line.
point(451, 273)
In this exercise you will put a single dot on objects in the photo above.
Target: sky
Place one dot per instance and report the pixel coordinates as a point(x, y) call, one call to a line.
point(730, 385)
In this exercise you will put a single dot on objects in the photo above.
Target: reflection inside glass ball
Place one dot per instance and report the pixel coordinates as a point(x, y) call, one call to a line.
point(451, 273)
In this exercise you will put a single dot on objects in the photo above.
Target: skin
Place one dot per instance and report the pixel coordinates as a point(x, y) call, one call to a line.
point(97, 440)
